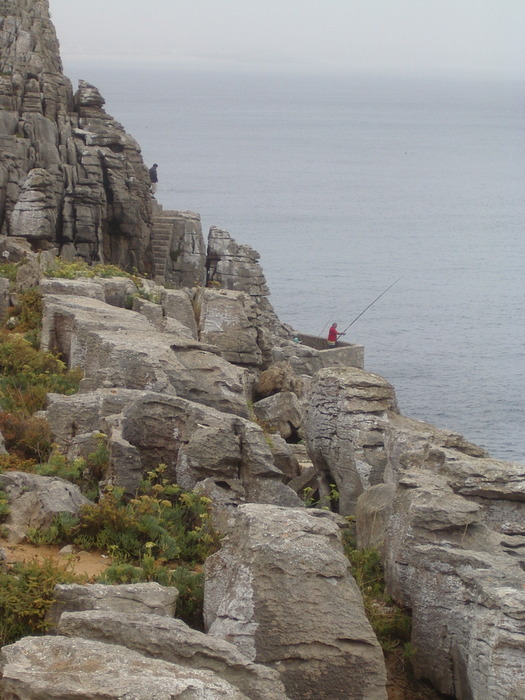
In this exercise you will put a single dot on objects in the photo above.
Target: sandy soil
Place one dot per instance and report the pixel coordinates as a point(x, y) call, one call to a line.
point(90, 564)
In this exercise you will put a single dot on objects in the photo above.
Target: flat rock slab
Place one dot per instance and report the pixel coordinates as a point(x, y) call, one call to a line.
point(172, 640)
point(62, 668)
point(143, 598)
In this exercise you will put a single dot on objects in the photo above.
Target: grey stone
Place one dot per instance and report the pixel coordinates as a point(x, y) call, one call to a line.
point(40, 668)
point(282, 413)
point(132, 598)
point(228, 320)
point(345, 425)
point(120, 348)
point(280, 590)
point(34, 501)
point(172, 640)
point(73, 178)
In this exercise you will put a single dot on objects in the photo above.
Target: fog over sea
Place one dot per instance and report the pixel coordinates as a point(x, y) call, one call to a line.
point(345, 184)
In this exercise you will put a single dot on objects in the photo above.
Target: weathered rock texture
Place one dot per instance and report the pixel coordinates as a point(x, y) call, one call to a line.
point(449, 521)
point(35, 500)
point(142, 599)
point(280, 590)
point(70, 176)
point(113, 636)
point(345, 425)
point(171, 640)
point(40, 668)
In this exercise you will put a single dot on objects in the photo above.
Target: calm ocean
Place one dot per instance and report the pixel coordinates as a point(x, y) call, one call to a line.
point(345, 184)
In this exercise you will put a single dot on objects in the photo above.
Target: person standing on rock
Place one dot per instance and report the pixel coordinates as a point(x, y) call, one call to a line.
point(153, 177)
point(333, 335)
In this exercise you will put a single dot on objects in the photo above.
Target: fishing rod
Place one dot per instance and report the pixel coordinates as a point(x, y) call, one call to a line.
point(371, 304)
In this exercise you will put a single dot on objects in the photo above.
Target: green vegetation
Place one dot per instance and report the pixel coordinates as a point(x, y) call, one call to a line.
point(8, 270)
point(26, 594)
point(391, 624)
point(79, 268)
point(164, 534)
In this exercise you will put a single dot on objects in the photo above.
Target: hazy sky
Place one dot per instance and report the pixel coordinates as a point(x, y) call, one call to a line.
point(427, 36)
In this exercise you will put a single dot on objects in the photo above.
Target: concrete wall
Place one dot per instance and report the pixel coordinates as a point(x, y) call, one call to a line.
point(343, 355)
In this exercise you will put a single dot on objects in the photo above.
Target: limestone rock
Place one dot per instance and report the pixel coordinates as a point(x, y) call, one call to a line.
point(279, 377)
point(345, 427)
point(281, 412)
point(177, 304)
point(172, 640)
point(39, 668)
point(70, 175)
point(196, 442)
point(180, 252)
point(234, 266)
point(320, 640)
point(227, 319)
point(142, 599)
point(284, 456)
point(81, 287)
point(35, 500)
point(464, 590)
point(120, 348)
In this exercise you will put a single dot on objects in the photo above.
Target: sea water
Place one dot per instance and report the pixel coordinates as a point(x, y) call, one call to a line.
point(346, 184)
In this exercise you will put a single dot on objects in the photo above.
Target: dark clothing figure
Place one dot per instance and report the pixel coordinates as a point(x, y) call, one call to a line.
point(153, 177)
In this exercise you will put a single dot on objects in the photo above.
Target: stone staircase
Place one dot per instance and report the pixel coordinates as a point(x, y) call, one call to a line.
point(161, 233)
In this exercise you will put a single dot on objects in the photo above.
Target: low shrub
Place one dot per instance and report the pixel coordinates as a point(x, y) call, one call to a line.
point(27, 375)
point(26, 594)
point(390, 622)
point(64, 269)
point(26, 438)
point(164, 534)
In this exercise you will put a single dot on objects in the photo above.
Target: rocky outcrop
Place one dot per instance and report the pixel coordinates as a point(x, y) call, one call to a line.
point(35, 500)
point(178, 248)
point(195, 442)
point(448, 520)
point(345, 428)
point(280, 590)
point(70, 176)
point(462, 582)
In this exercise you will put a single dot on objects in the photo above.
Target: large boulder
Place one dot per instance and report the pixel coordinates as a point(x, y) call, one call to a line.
point(281, 413)
point(345, 426)
point(465, 592)
point(280, 590)
point(227, 319)
point(177, 304)
point(196, 442)
point(172, 640)
point(40, 668)
point(34, 501)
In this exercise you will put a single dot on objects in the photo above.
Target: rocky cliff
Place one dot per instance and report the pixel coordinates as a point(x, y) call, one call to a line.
point(204, 378)
point(70, 176)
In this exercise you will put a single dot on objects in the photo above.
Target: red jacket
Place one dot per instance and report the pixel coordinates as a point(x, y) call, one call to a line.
point(332, 334)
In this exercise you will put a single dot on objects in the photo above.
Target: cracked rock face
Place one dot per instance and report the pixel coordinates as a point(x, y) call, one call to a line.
point(39, 668)
point(345, 424)
point(280, 590)
point(70, 176)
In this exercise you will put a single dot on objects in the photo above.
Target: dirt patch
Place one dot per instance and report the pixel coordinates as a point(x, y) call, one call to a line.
point(89, 564)
point(401, 684)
